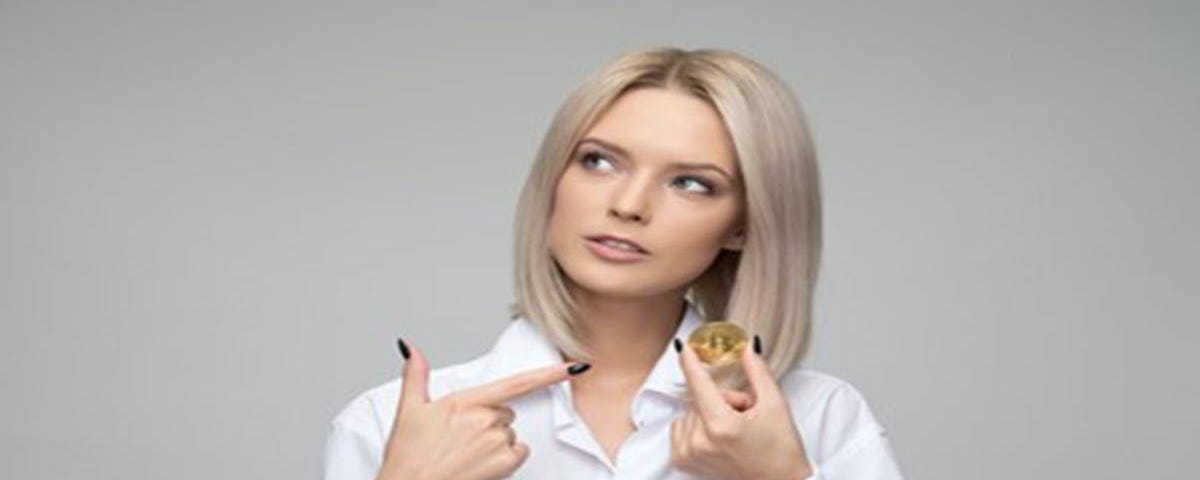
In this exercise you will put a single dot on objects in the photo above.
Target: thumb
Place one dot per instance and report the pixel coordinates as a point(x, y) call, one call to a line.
point(414, 387)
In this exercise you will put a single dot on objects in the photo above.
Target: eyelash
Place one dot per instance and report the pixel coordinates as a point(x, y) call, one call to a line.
point(591, 155)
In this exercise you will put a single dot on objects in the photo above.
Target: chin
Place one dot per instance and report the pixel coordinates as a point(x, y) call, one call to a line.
point(631, 284)
point(612, 285)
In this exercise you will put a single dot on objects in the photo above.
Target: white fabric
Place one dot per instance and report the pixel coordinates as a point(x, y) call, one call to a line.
point(843, 439)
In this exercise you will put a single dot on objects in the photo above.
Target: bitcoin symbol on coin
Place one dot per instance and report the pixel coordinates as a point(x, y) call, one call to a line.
point(718, 343)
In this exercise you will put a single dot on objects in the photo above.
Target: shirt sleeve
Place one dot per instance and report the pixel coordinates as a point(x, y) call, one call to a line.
point(868, 458)
point(851, 442)
point(352, 451)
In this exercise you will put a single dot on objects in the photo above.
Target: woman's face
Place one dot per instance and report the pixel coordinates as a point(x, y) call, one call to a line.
point(627, 178)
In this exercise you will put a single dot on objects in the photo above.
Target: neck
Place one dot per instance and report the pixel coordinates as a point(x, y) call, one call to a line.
point(626, 337)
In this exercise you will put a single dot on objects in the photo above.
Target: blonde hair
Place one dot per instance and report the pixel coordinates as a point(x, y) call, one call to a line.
point(768, 286)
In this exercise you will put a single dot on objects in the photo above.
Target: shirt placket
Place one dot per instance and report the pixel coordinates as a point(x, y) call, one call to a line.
point(650, 411)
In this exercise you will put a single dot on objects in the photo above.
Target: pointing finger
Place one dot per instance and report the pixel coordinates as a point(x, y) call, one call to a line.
point(514, 386)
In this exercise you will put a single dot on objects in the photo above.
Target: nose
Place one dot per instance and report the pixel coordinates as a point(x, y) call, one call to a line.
point(630, 202)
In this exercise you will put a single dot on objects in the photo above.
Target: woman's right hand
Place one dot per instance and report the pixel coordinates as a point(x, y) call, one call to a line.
point(463, 435)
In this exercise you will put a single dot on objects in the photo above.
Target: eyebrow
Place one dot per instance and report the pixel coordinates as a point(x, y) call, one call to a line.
point(624, 153)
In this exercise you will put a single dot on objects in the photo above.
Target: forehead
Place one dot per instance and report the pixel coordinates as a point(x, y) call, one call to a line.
point(659, 125)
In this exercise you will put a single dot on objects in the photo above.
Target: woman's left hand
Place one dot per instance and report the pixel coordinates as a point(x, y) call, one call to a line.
point(719, 442)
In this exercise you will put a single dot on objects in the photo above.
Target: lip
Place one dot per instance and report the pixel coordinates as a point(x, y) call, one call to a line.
point(613, 254)
point(597, 238)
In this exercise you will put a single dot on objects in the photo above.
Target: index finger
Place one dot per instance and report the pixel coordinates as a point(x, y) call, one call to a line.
point(708, 397)
point(513, 386)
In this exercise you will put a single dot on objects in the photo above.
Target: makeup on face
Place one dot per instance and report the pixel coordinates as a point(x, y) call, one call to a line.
point(612, 249)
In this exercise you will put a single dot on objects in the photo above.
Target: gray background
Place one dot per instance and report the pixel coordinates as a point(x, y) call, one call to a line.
point(217, 216)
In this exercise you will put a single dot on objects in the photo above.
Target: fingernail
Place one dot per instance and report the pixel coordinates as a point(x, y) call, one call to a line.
point(678, 346)
point(757, 345)
point(403, 348)
point(579, 368)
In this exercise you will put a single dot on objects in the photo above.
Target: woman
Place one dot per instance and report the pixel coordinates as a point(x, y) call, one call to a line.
point(673, 188)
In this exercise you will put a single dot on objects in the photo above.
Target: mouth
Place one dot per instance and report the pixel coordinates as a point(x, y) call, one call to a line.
point(618, 243)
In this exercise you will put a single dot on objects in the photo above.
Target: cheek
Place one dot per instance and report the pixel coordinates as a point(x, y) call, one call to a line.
point(690, 256)
point(569, 204)
point(694, 241)
point(694, 230)
point(575, 198)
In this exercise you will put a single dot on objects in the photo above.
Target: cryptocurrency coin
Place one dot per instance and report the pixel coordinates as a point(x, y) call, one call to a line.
point(718, 343)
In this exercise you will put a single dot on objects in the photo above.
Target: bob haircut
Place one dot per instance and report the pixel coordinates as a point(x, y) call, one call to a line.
point(768, 286)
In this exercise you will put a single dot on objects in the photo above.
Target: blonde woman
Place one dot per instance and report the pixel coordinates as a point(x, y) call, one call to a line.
point(673, 188)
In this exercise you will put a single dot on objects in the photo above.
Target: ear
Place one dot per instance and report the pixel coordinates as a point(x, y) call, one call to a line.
point(736, 241)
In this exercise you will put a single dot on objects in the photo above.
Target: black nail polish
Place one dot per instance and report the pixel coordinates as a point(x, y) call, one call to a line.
point(403, 348)
point(579, 368)
point(757, 345)
point(678, 346)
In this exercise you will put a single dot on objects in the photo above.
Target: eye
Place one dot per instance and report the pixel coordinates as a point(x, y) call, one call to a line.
point(590, 158)
point(706, 187)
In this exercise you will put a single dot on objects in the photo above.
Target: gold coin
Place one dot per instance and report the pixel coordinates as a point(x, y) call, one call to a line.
point(718, 343)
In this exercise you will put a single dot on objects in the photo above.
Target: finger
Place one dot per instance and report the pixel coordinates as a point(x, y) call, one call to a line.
point(520, 452)
point(678, 439)
point(705, 392)
point(414, 387)
point(487, 416)
point(511, 387)
point(504, 415)
point(675, 436)
point(689, 425)
point(762, 381)
point(740, 401)
point(683, 433)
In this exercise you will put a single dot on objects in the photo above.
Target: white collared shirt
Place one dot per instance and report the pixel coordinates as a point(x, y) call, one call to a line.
point(843, 439)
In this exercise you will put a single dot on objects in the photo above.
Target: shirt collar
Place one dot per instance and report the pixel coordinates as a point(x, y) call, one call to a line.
point(522, 346)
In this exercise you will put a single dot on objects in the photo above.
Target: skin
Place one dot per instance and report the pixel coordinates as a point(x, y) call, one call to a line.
point(465, 435)
point(629, 311)
point(716, 439)
point(620, 180)
point(626, 184)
